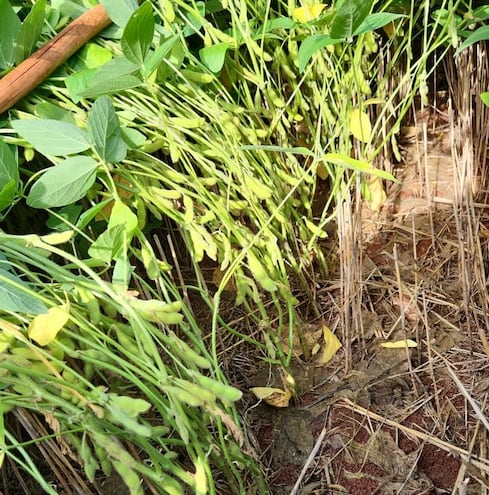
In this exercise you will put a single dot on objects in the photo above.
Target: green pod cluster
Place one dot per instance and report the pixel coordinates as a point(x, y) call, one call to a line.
point(205, 395)
point(224, 392)
point(188, 355)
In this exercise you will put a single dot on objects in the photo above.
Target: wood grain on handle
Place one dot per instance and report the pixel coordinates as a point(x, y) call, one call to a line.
point(35, 69)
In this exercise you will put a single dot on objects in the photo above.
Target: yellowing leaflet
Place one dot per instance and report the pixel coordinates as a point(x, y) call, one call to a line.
point(360, 125)
point(273, 396)
point(331, 345)
point(399, 344)
point(308, 13)
point(44, 328)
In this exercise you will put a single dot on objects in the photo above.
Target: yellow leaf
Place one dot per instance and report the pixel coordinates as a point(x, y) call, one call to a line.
point(58, 238)
point(399, 344)
point(44, 327)
point(377, 194)
point(273, 396)
point(389, 29)
point(373, 101)
point(200, 478)
point(315, 349)
point(322, 171)
point(360, 125)
point(308, 13)
point(331, 345)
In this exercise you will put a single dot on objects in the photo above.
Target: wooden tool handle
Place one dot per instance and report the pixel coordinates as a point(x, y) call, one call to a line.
point(35, 69)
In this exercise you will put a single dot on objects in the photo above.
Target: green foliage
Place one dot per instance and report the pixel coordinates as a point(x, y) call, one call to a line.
point(105, 132)
point(18, 39)
point(63, 184)
point(480, 34)
point(114, 76)
point(9, 175)
point(120, 10)
point(349, 17)
point(16, 296)
point(222, 120)
point(30, 31)
point(9, 31)
point(213, 56)
point(52, 137)
point(138, 34)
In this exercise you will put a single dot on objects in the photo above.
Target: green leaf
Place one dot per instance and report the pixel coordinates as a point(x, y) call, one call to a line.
point(278, 23)
point(299, 150)
point(349, 18)
point(480, 34)
point(485, 98)
point(311, 45)
point(65, 218)
point(138, 34)
point(132, 137)
point(9, 30)
point(157, 56)
point(9, 175)
point(119, 10)
point(104, 131)
point(121, 214)
point(108, 245)
point(64, 183)
point(91, 56)
point(357, 165)
point(481, 13)
point(47, 110)
point(114, 76)
point(376, 21)
point(30, 31)
point(213, 56)
point(78, 82)
point(120, 230)
point(52, 137)
point(14, 298)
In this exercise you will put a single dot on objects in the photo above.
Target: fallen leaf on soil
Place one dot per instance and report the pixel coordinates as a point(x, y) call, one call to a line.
point(408, 306)
point(331, 345)
point(310, 336)
point(217, 277)
point(275, 397)
point(377, 195)
point(399, 344)
point(383, 451)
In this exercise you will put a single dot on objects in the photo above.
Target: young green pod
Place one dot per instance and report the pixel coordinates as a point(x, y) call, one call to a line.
point(260, 273)
point(186, 353)
point(103, 459)
point(90, 465)
point(225, 392)
point(205, 394)
point(183, 396)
